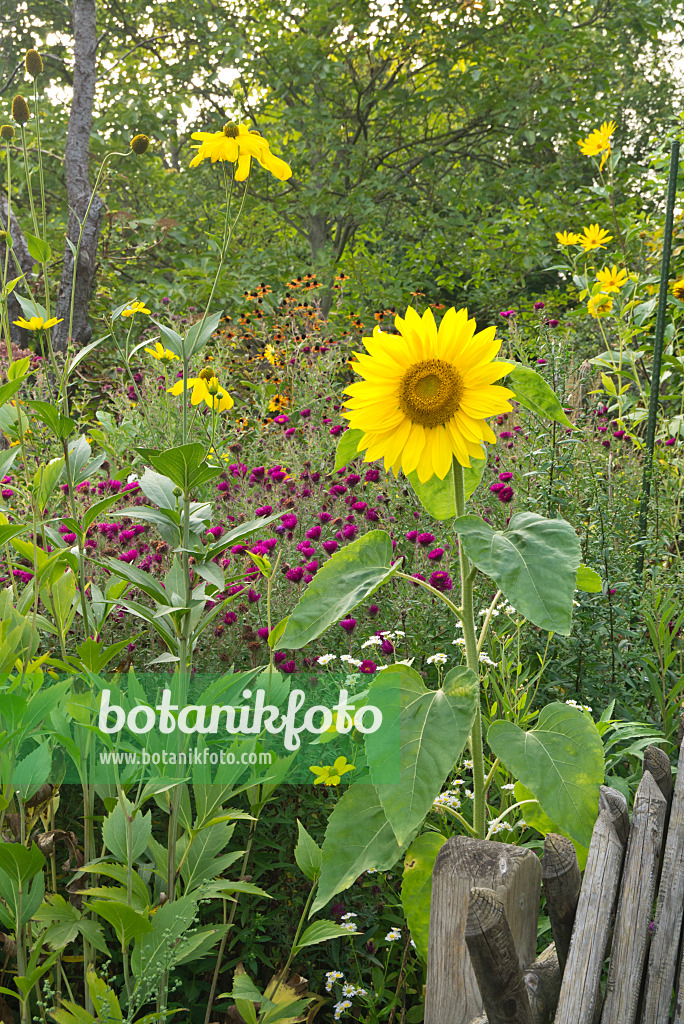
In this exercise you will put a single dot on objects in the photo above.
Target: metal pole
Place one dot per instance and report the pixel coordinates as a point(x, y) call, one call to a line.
point(657, 355)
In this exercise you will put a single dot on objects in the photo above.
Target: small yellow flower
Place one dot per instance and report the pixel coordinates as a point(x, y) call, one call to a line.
point(238, 145)
point(611, 280)
point(568, 238)
point(678, 289)
point(200, 393)
point(594, 237)
point(159, 352)
point(600, 305)
point(135, 307)
point(330, 775)
point(36, 323)
point(598, 142)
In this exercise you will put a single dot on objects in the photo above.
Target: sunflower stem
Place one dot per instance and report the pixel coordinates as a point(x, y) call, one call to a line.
point(468, 573)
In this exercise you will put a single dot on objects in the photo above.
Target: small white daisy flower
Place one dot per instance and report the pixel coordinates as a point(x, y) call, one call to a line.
point(344, 1004)
point(437, 659)
point(393, 934)
point(331, 977)
point(325, 659)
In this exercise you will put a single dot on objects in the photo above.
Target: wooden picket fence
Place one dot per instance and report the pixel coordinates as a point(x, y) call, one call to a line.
point(485, 906)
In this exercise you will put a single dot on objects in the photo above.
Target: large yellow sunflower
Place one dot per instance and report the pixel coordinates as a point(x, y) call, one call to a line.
point(426, 393)
point(237, 144)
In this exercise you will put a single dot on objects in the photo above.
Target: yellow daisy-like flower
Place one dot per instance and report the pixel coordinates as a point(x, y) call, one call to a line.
point(678, 289)
point(611, 280)
point(159, 352)
point(594, 237)
point(200, 393)
point(36, 323)
point(135, 307)
point(568, 238)
point(330, 774)
point(237, 144)
point(425, 394)
point(600, 305)
point(598, 141)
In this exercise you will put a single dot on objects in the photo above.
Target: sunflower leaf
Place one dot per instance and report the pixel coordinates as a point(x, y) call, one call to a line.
point(437, 496)
point(351, 575)
point(532, 391)
point(534, 563)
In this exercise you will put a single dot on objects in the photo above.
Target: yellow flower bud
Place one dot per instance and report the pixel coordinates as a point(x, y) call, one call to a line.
point(140, 144)
point(213, 386)
point(20, 110)
point(33, 62)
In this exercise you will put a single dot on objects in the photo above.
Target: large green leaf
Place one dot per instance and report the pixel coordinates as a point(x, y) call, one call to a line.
point(535, 817)
point(321, 931)
point(153, 951)
point(351, 575)
point(534, 563)
point(532, 391)
point(347, 448)
point(588, 580)
point(32, 771)
point(358, 837)
point(433, 728)
point(560, 761)
point(437, 496)
point(128, 923)
point(416, 887)
point(184, 465)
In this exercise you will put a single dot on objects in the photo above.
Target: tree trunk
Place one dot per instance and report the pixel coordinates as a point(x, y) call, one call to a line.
point(19, 255)
point(77, 173)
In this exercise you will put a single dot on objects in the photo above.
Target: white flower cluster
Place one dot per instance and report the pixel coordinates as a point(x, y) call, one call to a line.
point(344, 1004)
point(372, 641)
point(348, 917)
point(460, 640)
point(325, 659)
point(449, 798)
point(468, 764)
point(393, 934)
point(508, 785)
point(437, 659)
point(582, 707)
point(505, 826)
point(508, 609)
point(331, 977)
point(349, 926)
point(349, 990)
point(349, 660)
point(486, 660)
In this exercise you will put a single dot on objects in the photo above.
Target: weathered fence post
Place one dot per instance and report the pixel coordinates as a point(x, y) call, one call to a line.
point(580, 993)
point(562, 882)
point(637, 892)
point(495, 960)
point(452, 994)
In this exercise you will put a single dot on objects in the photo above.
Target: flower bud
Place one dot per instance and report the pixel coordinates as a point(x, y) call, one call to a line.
point(7, 132)
point(33, 62)
point(177, 492)
point(213, 386)
point(140, 144)
point(20, 110)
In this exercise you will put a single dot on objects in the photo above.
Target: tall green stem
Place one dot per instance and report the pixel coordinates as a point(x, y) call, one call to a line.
point(472, 660)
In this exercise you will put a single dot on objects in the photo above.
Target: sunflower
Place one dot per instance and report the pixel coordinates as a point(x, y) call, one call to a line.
point(135, 307)
point(600, 305)
point(159, 352)
point(221, 400)
point(611, 280)
point(426, 393)
point(598, 142)
point(594, 237)
point(568, 238)
point(36, 323)
point(237, 144)
point(331, 774)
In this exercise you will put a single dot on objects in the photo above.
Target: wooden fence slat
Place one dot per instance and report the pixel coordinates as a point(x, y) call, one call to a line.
point(562, 881)
point(580, 990)
point(629, 949)
point(658, 764)
point(495, 960)
point(667, 927)
point(452, 995)
point(542, 981)
point(615, 803)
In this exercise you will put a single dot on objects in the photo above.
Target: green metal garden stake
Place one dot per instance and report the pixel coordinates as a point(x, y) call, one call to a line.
point(657, 354)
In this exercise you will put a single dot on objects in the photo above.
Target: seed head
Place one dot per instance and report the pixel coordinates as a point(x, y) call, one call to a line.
point(140, 144)
point(20, 110)
point(7, 132)
point(33, 62)
point(207, 373)
point(231, 130)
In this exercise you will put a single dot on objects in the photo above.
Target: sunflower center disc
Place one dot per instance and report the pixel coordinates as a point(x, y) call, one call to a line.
point(430, 392)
